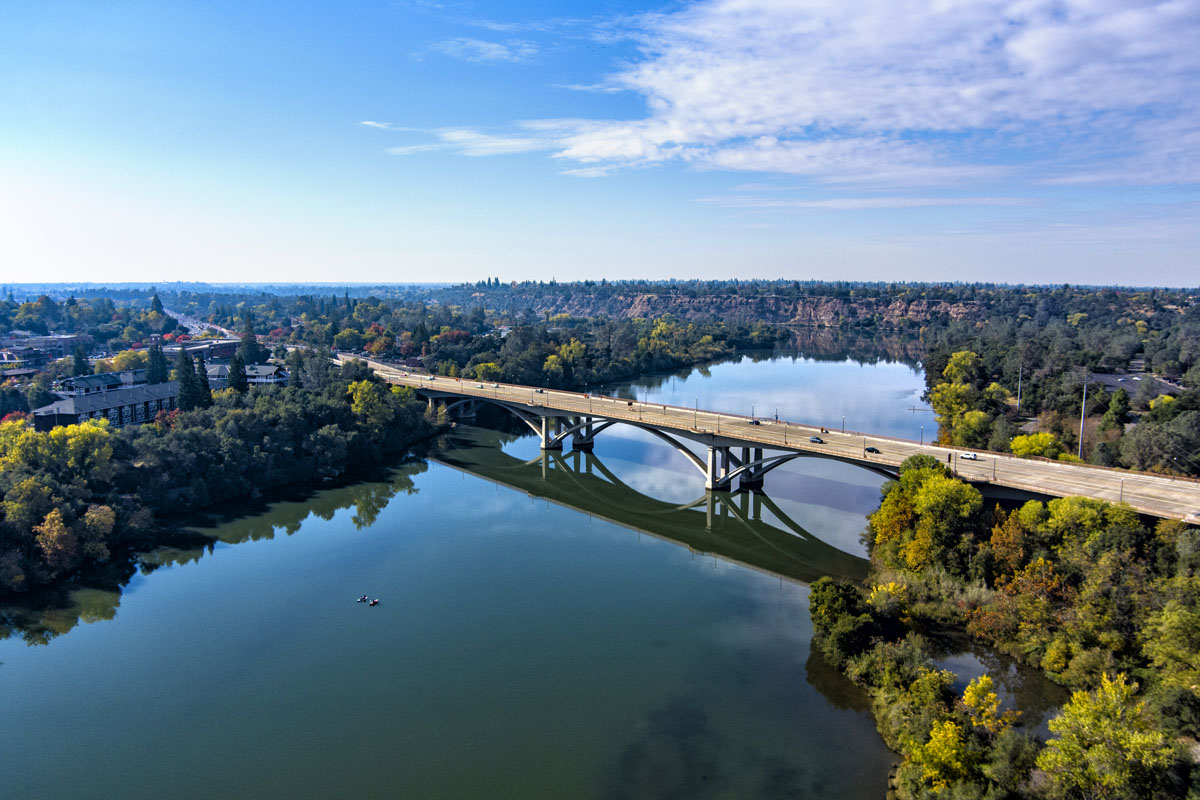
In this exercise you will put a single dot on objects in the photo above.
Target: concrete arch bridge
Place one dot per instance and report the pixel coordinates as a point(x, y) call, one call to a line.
point(737, 452)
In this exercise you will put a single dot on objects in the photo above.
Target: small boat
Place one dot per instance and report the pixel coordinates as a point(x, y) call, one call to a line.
point(374, 602)
point(362, 599)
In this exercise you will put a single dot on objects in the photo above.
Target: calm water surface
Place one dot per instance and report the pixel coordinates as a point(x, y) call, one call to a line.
point(564, 626)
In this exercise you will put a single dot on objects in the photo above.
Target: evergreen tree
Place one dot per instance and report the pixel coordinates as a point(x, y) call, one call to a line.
point(156, 304)
point(205, 393)
point(189, 384)
point(250, 350)
point(156, 366)
point(237, 374)
point(80, 365)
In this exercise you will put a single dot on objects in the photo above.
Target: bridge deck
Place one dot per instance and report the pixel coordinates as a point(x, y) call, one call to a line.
point(1156, 495)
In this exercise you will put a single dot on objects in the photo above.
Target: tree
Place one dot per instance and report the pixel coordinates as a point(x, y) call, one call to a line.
point(156, 305)
point(250, 350)
point(1106, 744)
point(1118, 410)
point(189, 384)
point(1037, 444)
point(348, 339)
point(946, 758)
point(205, 391)
point(237, 375)
point(79, 362)
point(983, 707)
point(156, 366)
point(487, 371)
point(56, 541)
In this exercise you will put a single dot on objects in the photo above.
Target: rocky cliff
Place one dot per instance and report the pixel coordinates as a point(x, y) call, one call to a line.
point(792, 310)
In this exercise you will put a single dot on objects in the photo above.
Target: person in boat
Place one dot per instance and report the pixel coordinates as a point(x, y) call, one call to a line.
point(363, 599)
point(374, 602)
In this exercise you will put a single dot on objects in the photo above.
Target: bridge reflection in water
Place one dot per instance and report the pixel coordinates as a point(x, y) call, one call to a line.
point(747, 528)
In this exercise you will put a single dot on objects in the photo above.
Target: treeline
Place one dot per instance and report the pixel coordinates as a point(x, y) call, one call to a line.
point(112, 326)
point(72, 495)
point(1078, 587)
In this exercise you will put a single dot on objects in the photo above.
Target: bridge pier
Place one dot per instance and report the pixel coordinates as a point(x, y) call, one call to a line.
point(550, 429)
point(753, 478)
point(717, 469)
point(583, 440)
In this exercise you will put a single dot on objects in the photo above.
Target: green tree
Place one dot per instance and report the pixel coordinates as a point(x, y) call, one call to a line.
point(204, 389)
point(964, 366)
point(250, 350)
point(348, 339)
point(189, 384)
point(156, 305)
point(237, 374)
point(487, 371)
point(156, 366)
point(79, 362)
point(1118, 410)
point(1106, 745)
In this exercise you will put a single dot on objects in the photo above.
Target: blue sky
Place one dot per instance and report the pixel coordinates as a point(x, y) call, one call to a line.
point(363, 140)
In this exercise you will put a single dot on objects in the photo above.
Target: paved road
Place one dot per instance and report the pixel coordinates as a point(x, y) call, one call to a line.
point(1157, 495)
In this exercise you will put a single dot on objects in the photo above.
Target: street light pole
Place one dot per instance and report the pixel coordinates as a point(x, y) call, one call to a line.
point(843, 423)
point(922, 435)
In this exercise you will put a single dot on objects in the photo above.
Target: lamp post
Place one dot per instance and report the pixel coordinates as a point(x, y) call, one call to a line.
point(843, 423)
point(922, 435)
point(696, 414)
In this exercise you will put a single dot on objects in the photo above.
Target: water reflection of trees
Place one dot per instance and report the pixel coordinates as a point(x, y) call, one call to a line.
point(41, 616)
point(816, 344)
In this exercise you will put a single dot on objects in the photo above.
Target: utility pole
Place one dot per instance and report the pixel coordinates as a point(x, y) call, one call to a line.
point(1020, 375)
point(1082, 416)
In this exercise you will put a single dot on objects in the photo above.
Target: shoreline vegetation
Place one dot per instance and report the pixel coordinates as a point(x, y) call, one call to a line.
point(74, 494)
point(1082, 589)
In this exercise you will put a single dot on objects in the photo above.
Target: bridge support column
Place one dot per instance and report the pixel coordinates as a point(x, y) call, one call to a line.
point(582, 439)
point(717, 469)
point(752, 480)
point(549, 432)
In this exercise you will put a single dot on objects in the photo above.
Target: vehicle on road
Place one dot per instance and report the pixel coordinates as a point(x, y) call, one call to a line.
point(755, 422)
point(970, 456)
point(479, 386)
point(871, 450)
point(816, 440)
point(540, 391)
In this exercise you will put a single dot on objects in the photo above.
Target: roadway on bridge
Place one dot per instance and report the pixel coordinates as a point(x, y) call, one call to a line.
point(1157, 495)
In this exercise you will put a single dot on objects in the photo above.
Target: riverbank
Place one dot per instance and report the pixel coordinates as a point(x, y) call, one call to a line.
point(1076, 587)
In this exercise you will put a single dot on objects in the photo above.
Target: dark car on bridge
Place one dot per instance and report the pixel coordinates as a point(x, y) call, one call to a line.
point(816, 440)
point(871, 450)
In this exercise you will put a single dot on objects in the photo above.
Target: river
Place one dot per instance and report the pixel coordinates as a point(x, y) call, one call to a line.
point(549, 626)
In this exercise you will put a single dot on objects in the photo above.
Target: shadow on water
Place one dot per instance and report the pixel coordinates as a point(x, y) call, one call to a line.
point(732, 526)
point(94, 595)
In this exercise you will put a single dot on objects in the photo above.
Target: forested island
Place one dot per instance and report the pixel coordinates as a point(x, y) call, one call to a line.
point(1103, 601)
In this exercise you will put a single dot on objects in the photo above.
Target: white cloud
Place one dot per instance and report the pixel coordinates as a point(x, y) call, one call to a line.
point(478, 51)
point(902, 92)
point(863, 203)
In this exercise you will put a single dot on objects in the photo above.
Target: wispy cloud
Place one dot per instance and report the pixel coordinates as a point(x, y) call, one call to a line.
point(900, 92)
point(864, 203)
point(478, 51)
